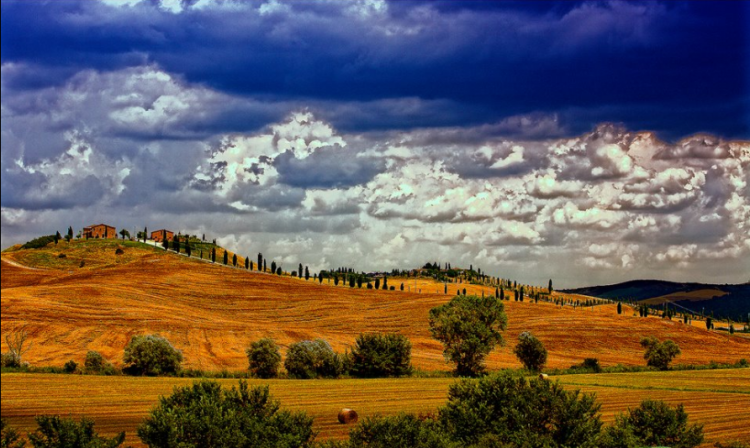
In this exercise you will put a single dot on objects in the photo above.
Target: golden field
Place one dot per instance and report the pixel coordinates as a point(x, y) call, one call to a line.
point(213, 312)
point(717, 399)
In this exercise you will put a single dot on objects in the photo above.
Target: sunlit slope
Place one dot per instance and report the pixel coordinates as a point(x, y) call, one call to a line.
point(213, 312)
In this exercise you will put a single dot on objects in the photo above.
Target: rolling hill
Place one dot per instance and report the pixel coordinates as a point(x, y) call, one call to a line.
point(724, 301)
point(212, 312)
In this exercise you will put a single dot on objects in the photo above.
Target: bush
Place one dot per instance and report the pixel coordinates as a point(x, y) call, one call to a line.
point(151, 355)
point(264, 358)
point(313, 359)
point(508, 409)
point(70, 366)
point(469, 328)
point(38, 243)
point(654, 423)
point(96, 364)
point(376, 355)
point(531, 352)
point(10, 360)
point(9, 437)
point(659, 354)
point(205, 416)
point(402, 430)
point(57, 432)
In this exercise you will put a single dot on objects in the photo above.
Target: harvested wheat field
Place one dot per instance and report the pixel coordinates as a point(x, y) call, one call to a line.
point(716, 398)
point(213, 312)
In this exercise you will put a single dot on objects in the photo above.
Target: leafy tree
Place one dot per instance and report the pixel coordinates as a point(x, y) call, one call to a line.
point(56, 432)
point(206, 416)
point(70, 366)
point(151, 355)
point(381, 355)
point(264, 358)
point(507, 410)
point(234, 260)
point(95, 363)
point(653, 423)
point(313, 359)
point(531, 352)
point(226, 257)
point(124, 233)
point(402, 430)
point(659, 354)
point(9, 437)
point(469, 328)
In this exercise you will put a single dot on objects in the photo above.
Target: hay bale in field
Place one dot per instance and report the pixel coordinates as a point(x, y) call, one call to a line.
point(119, 251)
point(348, 416)
point(543, 376)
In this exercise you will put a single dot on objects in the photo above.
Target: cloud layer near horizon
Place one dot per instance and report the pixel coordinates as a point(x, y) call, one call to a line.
point(605, 205)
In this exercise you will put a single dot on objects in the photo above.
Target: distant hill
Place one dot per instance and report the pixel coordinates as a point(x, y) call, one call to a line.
point(723, 300)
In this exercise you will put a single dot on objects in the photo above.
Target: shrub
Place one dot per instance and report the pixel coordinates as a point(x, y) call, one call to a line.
point(264, 358)
point(10, 360)
point(96, 364)
point(313, 359)
point(151, 355)
point(531, 352)
point(654, 423)
point(57, 432)
point(507, 409)
point(9, 437)
point(469, 328)
point(659, 354)
point(402, 430)
point(379, 355)
point(38, 243)
point(205, 416)
point(70, 366)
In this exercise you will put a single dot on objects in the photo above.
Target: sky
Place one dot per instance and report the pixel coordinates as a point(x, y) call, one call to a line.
point(587, 142)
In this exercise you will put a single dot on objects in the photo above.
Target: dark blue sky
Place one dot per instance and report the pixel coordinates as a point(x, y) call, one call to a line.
point(676, 68)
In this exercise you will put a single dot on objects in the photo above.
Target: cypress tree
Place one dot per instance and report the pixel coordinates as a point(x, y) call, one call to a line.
point(402, 286)
point(619, 308)
point(307, 273)
point(385, 282)
point(213, 255)
point(176, 243)
point(520, 295)
point(165, 243)
point(464, 291)
point(70, 234)
point(352, 281)
point(377, 283)
point(549, 287)
point(359, 281)
point(57, 237)
point(260, 261)
point(273, 267)
point(247, 263)
point(188, 250)
point(300, 270)
point(265, 266)
point(234, 260)
point(279, 271)
point(145, 233)
point(226, 257)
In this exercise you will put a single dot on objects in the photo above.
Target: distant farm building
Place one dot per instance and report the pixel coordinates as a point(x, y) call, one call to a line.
point(161, 235)
point(99, 231)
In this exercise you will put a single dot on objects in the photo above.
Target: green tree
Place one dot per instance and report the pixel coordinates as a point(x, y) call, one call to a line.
point(313, 359)
point(264, 358)
point(9, 437)
point(659, 354)
point(56, 432)
point(206, 416)
point(469, 328)
point(653, 423)
point(380, 355)
point(531, 352)
point(124, 233)
point(508, 410)
point(95, 363)
point(151, 355)
point(402, 430)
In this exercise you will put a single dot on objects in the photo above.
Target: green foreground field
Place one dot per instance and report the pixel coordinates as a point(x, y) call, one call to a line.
point(719, 399)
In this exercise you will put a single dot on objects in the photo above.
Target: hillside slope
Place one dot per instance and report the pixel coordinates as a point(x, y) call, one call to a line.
point(213, 312)
point(731, 301)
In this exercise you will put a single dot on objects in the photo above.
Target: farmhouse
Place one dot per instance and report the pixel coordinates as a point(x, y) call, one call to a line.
point(99, 231)
point(161, 235)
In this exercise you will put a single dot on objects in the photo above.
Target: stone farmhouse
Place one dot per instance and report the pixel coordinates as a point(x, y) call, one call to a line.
point(99, 231)
point(160, 235)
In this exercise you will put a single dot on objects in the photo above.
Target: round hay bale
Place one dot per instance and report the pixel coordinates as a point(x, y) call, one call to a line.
point(543, 376)
point(119, 251)
point(348, 416)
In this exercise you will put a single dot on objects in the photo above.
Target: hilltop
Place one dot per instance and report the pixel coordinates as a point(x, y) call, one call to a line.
point(732, 301)
point(212, 312)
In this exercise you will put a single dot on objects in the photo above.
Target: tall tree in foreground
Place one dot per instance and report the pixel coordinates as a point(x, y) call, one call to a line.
point(653, 423)
point(469, 328)
point(58, 432)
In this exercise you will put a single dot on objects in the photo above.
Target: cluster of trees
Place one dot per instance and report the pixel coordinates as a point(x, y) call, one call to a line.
point(533, 413)
point(373, 355)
